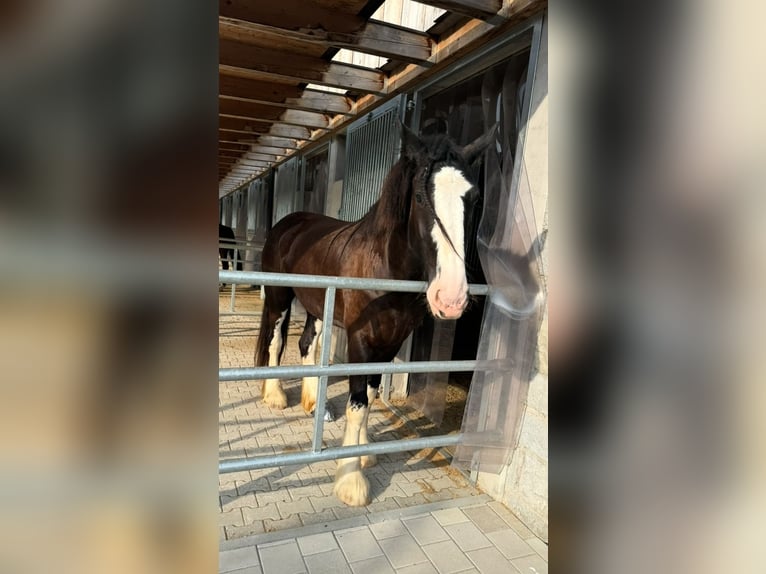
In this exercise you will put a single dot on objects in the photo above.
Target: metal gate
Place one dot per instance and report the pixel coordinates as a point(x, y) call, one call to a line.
point(324, 370)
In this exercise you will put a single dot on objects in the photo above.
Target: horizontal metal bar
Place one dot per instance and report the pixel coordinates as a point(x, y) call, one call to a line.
point(322, 281)
point(300, 371)
point(289, 458)
point(248, 244)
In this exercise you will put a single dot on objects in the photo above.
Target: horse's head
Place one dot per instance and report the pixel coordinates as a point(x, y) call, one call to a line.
point(441, 190)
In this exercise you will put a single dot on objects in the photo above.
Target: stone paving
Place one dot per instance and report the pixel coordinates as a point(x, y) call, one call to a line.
point(261, 501)
point(283, 520)
point(469, 535)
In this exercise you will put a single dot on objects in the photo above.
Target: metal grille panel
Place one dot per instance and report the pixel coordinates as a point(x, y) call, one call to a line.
point(372, 148)
point(285, 189)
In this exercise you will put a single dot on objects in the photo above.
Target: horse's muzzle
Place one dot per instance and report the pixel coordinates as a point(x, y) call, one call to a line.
point(445, 307)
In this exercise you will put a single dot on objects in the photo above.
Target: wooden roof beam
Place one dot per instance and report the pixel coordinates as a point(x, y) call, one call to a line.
point(374, 37)
point(268, 155)
point(279, 143)
point(479, 9)
point(251, 159)
point(246, 128)
point(248, 61)
point(291, 15)
point(310, 101)
point(247, 170)
point(275, 92)
point(260, 113)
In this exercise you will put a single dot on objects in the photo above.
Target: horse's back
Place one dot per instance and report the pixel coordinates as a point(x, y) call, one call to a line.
point(299, 237)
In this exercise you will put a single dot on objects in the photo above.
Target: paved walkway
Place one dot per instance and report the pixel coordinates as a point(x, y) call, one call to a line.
point(424, 516)
point(273, 499)
point(465, 535)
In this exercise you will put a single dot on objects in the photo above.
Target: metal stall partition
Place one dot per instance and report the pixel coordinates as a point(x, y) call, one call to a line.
point(258, 221)
point(226, 211)
point(314, 180)
point(286, 189)
point(372, 148)
point(324, 370)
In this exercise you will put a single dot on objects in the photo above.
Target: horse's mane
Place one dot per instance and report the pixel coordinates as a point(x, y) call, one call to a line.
point(393, 207)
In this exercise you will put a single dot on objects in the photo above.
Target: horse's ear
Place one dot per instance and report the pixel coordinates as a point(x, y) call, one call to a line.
point(473, 150)
point(411, 144)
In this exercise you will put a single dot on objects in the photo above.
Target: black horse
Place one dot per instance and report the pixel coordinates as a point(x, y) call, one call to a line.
point(416, 232)
point(226, 235)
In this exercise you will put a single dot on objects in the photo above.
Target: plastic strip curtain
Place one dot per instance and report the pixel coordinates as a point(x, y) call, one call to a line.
point(509, 249)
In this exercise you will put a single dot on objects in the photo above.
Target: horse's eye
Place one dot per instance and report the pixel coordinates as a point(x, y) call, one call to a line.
point(419, 198)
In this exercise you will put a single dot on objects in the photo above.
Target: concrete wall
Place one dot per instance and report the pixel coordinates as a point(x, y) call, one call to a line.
point(523, 484)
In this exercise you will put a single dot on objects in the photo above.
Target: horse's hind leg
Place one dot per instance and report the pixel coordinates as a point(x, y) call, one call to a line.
point(224, 262)
point(308, 346)
point(271, 341)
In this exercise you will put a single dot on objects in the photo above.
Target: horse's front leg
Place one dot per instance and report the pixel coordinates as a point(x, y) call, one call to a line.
point(373, 382)
point(351, 486)
point(309, 346)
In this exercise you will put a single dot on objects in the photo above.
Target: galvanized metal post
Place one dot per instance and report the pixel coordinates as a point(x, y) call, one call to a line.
point(324, 361)
point(234, 285)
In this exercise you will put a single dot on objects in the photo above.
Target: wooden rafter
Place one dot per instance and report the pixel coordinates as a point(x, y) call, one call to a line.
point(271, 50)
point(248, 61)
point(378, 38)
point(291, 15)
point(258, 112)
point(479, 9)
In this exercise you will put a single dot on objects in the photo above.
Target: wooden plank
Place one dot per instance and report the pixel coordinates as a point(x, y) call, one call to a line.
point(479, 9)
point(273, 141)
point(323, 101)
point(265, 155)
point(274, 152)
point(250, 166)
point(232, 146)
point(292, 132)
point(248, 109)
point(310, 101)
point(247, 169)
point(245, 126)
point(226, 153)
point(375, 37)
point(258, 112)
point(243, 60)
point(261, 157)
point(291, 14)
point(227, 123)
point(229, 85)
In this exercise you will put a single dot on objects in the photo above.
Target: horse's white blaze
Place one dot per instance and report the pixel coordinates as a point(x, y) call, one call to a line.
point(448, 291)
point(272, 392)
point(351, 486)
point(310, 384)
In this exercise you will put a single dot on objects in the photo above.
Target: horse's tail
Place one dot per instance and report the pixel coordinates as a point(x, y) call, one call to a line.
point(264, 336)
point(285, 328)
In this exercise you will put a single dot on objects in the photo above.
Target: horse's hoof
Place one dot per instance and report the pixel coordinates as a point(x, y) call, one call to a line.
point(328, 415)
point(352, 489)
point(368, 461)
point(276, 401)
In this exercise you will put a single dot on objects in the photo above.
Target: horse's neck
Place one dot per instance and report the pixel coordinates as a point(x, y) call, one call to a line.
point(384, 229)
